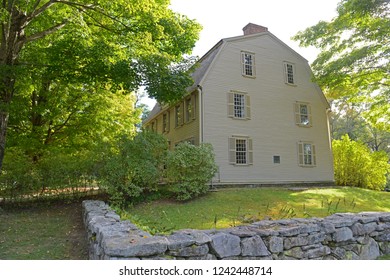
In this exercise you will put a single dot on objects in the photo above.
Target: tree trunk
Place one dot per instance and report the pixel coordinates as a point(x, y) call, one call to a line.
point(3, 131)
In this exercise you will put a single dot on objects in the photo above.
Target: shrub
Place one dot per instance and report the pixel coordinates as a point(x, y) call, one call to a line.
point(189, 169)
point(355, 165)
point(135, 167)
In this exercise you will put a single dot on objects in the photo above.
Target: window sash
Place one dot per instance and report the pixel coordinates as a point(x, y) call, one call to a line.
point(248, 63)
point(239, 105)
point(166, 122)
point(307, 154)
point(303, 116)
point(240, 151)
point(289, 73)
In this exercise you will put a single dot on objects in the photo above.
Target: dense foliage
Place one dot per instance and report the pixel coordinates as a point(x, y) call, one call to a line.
point(190, 169)
point(354, 57)
point(140, 164)
point(60, 61)
point(355, 165)
point(134, 168)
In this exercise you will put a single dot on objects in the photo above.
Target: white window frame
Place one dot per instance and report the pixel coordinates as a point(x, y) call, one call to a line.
point(239, 110)
point(166, 116)
point(302, 118)
point(289, 73)
point(307, 154)
point(190, 108)
point(248, 64)
point(179, 115)
point(240, 155)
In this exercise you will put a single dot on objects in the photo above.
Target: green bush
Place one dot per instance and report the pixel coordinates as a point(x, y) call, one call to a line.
point(19, 176)
point(135, 167)
point(355, 165)
point(189, 170)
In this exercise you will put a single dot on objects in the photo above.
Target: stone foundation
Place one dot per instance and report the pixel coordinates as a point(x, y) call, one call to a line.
point(362, 236)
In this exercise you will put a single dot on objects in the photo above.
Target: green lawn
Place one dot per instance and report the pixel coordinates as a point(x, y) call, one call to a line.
point(231, 207)
point(43, 232)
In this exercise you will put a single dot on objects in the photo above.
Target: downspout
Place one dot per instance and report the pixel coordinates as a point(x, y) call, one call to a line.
point(201, 117)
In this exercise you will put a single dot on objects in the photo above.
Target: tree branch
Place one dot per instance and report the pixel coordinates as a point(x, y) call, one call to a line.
point(36, 12)
point(46, 32)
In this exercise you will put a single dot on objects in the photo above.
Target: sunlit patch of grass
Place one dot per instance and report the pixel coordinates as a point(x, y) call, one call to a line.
point(232, 207)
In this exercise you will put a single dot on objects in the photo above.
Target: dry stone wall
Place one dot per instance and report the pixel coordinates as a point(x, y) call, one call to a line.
point(360, 236)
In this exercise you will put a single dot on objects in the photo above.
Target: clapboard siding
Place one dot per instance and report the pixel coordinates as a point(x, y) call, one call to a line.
point(272, 125)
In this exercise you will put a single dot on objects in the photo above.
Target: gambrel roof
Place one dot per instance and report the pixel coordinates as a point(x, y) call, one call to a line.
point(206, 61)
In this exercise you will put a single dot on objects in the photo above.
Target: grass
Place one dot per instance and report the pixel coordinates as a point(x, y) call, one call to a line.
point(231, 207)
point(43, 232)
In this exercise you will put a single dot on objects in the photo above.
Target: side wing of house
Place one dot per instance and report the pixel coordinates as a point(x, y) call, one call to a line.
point(178, 123)
point(266, 119)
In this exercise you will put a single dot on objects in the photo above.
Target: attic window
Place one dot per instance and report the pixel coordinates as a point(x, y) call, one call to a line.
point(248, 64)
point(289, 73)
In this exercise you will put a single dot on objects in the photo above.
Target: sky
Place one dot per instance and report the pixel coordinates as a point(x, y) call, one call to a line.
point(226, 18)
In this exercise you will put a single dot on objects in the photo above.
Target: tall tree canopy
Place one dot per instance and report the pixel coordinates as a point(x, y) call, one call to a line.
point(57, 51)
point(354, 57)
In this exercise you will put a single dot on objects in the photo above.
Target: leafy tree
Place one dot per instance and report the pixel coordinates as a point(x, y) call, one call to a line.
point(190, 169)
point(354, 57)
point(355, 165)
point(99, 44)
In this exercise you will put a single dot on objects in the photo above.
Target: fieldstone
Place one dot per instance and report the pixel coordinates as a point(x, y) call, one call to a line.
point(384, 237)
point(369, 251)
point(254, 247)
point(192, 251)
point(327, 227)
point(134, 246)
point(295, 242)
point(318, 252)
point(316, 238)
point(385, 218)
point(359, 229)
point(178, 241)
point(384, 247)
point(309, 228)
point(295, 253)
point(290, 231)
point(225, 245)
point(275, 244)
point(241, 232)
point(343, 234)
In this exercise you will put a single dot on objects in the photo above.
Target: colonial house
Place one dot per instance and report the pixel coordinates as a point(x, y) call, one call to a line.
point(254, 100)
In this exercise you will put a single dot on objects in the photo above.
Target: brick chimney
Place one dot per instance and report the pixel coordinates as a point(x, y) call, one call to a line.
point(251, 28)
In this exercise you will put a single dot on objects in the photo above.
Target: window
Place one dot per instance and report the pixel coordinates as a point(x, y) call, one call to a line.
point(306, 154)
point(190, 108)
point(303, 114)
point(239, 105)
point(178, 115)
point(248, 64)
point(166, 122)
point(240, 151)
point(289, 72)
point(276, 159)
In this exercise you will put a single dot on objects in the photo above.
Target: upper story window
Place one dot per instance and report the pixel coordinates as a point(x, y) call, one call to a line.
point(306, 154)
point(248, 64)
point(166, 122)
point(289, 73)
point(303, 114)
point(239, 105)
point(190, 108)
point(240, 150)
point(178, 115)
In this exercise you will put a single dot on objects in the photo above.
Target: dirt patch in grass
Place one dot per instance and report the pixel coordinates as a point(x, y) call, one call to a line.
point(44, 231)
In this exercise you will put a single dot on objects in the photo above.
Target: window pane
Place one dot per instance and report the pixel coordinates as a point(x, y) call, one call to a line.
point(307, 154)
point(290, 74)
point(239, 105)
point(241, 151)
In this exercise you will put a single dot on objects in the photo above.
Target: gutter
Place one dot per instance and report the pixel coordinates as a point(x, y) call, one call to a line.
point(201, 117)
